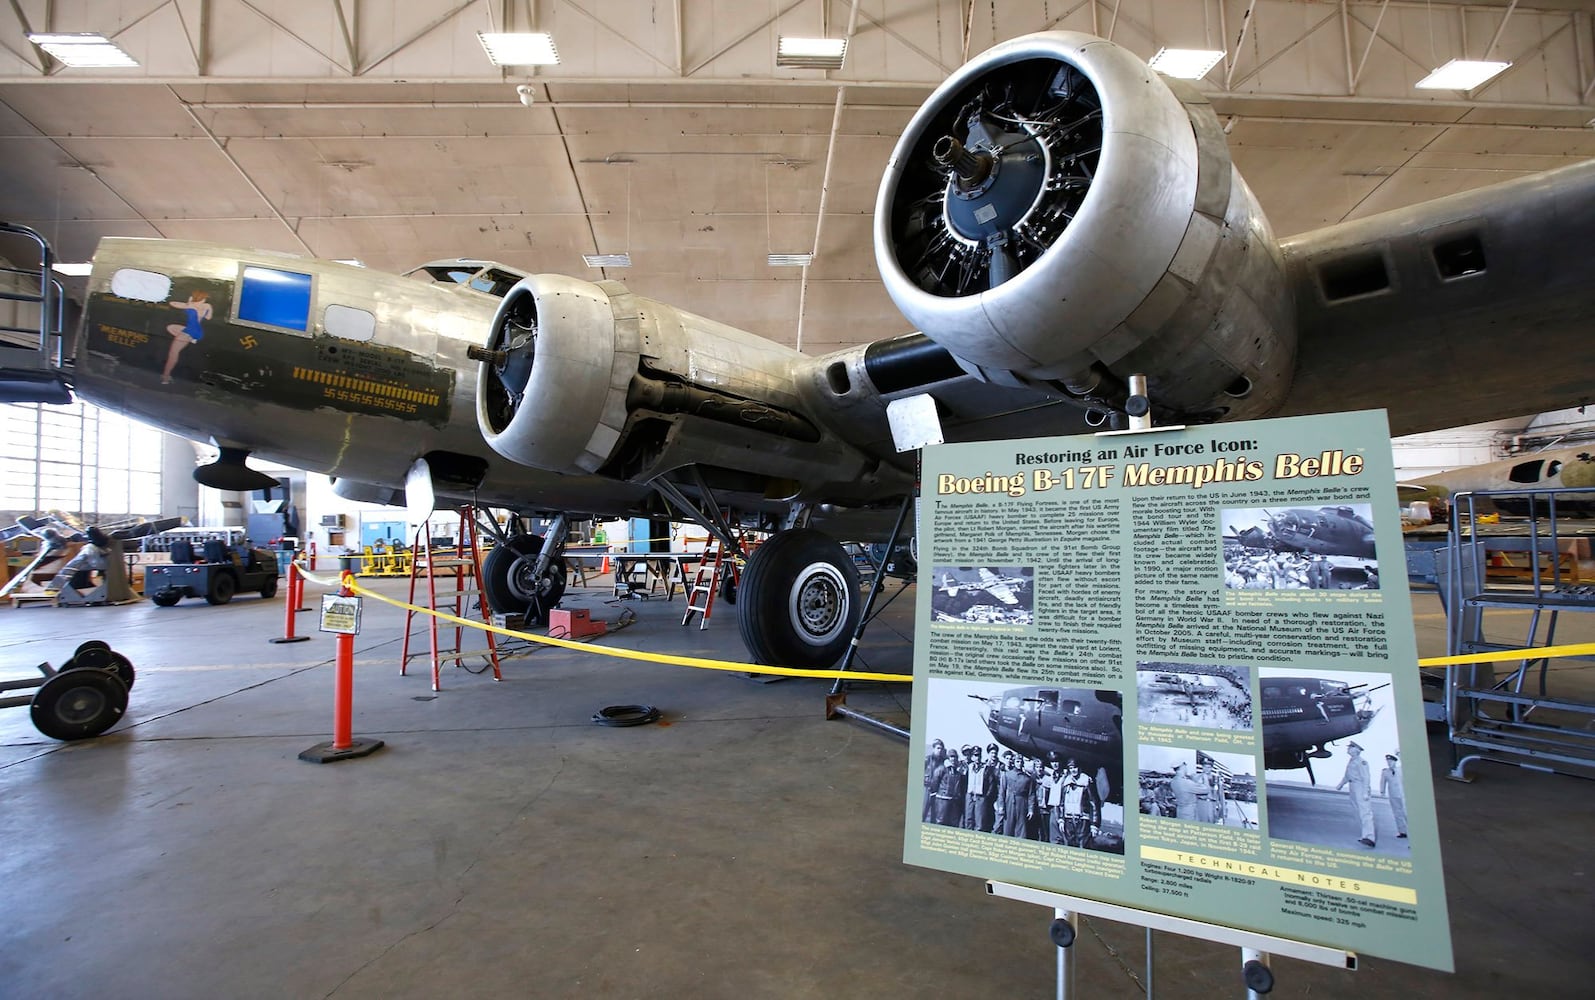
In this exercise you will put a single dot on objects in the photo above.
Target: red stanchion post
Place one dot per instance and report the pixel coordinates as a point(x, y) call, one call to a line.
point(296, 586)
point(299, 601)
point(312, 553)
point(342, 615)
point(343, 693)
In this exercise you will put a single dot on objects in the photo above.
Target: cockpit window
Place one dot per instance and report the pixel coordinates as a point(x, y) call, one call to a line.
point(481, 276)
point(447, 274)
point(495, 282)
point(274, 298)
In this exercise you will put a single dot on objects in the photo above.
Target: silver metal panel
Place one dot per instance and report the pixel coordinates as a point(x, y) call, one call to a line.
point(915, 422)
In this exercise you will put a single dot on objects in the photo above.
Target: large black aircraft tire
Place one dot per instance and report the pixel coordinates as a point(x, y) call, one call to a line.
point(798, 602)
point(78, 704)
point(222, 587)
point(508, 584)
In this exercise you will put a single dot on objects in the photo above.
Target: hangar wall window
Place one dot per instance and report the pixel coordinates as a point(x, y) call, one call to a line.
point(79, 459)
point(274, 298)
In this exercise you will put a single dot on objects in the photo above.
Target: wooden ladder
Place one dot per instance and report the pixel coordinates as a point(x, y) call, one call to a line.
point(461, 570)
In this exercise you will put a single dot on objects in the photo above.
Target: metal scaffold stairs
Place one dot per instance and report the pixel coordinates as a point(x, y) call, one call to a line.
point(706, 582)
point(31, 354)
point(459, 567)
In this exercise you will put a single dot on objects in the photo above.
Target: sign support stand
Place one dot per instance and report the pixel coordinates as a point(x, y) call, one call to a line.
point(1256, 948)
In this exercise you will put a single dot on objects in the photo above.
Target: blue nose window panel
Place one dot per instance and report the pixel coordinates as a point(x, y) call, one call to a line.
point(275, 298)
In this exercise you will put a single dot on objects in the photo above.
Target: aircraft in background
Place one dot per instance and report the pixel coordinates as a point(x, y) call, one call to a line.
point(1302, 714)
point(1055, 219)
point(1542, 470)
point(1321, 531)
point(1001, 588)
point(1053, 723)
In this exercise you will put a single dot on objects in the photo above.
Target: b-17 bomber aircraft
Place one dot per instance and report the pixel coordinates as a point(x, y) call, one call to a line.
point(1560, 468)
point(1000, 588)
point(1059, 724)
point(1055, 218)
point(1302, 714)
point(1321, 531)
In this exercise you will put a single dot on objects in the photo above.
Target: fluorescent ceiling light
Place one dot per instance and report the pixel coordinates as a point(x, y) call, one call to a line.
point(607, 259)
point(351, 261)
point(519, 48)
point(81, 48)
point(790, 259)
point(1461, 74)
point(1185, 64)
point(810, 53)
point(73, 270)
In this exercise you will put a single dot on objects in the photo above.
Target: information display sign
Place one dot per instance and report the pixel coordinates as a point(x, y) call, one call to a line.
point(1176, 670)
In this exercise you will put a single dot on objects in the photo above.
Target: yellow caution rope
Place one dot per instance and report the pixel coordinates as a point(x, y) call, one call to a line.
point(350, 581)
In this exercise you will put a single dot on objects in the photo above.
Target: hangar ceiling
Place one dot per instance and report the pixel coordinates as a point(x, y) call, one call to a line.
point(379, 130)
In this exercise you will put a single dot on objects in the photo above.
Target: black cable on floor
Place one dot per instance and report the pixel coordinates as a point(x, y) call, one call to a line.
point(626, 715)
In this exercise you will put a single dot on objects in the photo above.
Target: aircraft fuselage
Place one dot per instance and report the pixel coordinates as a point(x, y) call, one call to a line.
point(315, 364)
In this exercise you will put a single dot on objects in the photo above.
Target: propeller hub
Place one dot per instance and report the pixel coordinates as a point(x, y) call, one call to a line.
point(1014, 178)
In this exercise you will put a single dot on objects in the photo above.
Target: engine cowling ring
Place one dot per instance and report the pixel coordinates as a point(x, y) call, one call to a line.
point(556, 398)
point(1142, 252)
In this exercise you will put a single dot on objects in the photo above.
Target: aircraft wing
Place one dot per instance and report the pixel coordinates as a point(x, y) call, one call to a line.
point(1457, 310)
point(1054, 219)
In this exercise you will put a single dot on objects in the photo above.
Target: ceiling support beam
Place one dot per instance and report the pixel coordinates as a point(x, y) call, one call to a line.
point(611, 29)
point(1286, 50)
point(819, 222)
point(36, 56)
point(767, 22)
point(351, 36)
point(1240, 43)
point(434, 25)
point(221, 148)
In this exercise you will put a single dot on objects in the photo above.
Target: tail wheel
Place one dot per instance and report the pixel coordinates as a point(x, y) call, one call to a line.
point(798, 603)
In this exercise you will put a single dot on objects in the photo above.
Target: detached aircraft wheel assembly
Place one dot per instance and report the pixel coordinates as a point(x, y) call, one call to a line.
point(77, 704)
point(81, 700)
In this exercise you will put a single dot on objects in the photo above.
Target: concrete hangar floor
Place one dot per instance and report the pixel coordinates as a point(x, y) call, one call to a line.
point(502, 845)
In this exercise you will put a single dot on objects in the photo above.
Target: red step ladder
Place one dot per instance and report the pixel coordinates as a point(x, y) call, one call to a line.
point(460, 569)
point(706, 582)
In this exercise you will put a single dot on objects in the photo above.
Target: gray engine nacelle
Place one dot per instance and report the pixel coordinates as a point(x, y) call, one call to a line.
point(1057, 214)
point(586, 378)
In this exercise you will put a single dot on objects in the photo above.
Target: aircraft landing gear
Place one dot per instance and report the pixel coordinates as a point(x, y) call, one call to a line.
point(798, 603)
point(512, 584)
